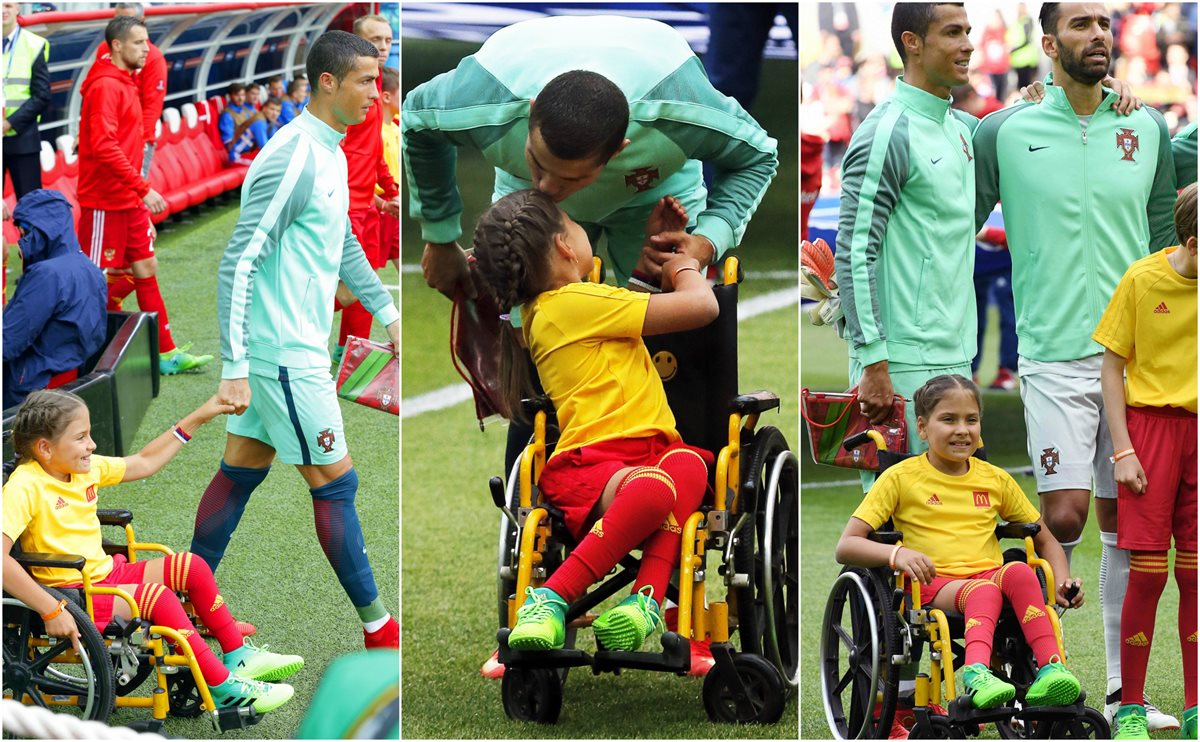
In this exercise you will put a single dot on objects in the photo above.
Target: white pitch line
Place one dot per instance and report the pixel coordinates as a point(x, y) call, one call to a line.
point(448, 396)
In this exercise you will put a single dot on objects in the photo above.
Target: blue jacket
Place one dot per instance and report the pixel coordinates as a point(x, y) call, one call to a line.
point(56, 319)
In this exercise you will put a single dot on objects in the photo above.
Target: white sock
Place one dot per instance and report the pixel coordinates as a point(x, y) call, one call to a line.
point(1114, 578)
point(1068, 547)
point(372, 626)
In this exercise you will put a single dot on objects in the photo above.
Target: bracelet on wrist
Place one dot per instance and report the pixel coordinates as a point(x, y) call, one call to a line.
point(892, 558)
point(685, 268)
point(54, 613)
point(181, 435)
point(1121, 455)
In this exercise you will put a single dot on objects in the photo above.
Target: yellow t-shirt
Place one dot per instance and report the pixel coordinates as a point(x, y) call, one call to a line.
point(586, 341)
point(391, 150)
point(951, 520)
point(1151, 323)
point(43, 514)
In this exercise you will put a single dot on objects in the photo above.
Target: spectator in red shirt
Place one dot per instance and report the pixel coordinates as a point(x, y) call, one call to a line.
point(366, 166)
point(114, 199)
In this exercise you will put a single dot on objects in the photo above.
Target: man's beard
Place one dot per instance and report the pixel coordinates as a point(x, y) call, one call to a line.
point(1078, 69)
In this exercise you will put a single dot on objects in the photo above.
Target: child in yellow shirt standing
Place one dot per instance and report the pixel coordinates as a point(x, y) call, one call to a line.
point(1149, 384)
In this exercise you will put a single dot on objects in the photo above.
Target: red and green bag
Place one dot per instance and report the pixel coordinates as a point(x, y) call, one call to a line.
point(833, 417)
point(369, 374)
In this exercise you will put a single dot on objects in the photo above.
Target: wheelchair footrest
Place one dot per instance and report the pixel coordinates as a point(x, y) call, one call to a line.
point(1053, 713)
point(963, 712)
point(675, 657)
point(237, 718)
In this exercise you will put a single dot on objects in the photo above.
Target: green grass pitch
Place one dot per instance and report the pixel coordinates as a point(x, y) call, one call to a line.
point(450, 525)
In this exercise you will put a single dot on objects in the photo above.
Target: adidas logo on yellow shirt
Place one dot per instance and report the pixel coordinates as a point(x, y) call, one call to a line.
point(60, 504)
point(1138, 640)
point(933, 500)
point(1031, 613)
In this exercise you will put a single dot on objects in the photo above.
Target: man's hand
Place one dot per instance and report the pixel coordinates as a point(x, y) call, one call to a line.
point(1061, 593)
point(393, 331)
point(665, 245)
point(875, 392)
point(445, 267)
point(916, 565)
point(1129, 472)
point(235, 392)
point(1035, 92)
point(392, 208)
point(7, 128)
point(156, 203)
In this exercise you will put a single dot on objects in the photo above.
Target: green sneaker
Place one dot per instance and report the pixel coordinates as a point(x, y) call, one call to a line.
point(256, 663)
point(985, 689)
point(237, 691)
point(1054, 686)
point(1131, 722)
point(177, 360)
point(627, 624)
point(1187, 729)
point(541, 621)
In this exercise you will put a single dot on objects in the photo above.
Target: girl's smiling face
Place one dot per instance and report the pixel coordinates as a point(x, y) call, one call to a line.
point(952, 431)
point(71, 452)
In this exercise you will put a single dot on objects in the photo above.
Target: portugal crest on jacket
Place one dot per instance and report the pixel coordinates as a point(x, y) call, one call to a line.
point(1127, 142)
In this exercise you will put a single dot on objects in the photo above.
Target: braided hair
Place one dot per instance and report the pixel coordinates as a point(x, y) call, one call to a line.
point(927, 397)
point(513, 241)
point(45, 413)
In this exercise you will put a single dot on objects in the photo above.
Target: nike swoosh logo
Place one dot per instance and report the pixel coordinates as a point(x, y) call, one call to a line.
point(330, 194)
point(1035, 149)
point(934, 162)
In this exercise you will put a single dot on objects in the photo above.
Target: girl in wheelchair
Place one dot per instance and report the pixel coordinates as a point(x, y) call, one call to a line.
point(50, 506)
point(620, 474)
point(945, 502)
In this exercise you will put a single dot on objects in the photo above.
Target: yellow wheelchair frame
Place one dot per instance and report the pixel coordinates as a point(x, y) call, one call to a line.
point(139, 642)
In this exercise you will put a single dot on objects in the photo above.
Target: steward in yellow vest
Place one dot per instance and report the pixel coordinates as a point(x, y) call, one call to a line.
point(25, 60)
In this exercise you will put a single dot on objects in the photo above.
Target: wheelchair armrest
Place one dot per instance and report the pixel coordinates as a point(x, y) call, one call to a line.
point(541, 403)
point(1017, 530)
point(114, 516)
point(59, 561)
point(754, 403)
point(886, 537)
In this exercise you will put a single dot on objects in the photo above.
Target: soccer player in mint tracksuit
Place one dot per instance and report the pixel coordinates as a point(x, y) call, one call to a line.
point(275, 293)
point(1085, 193)
point(1183, 148)
point(607, 115)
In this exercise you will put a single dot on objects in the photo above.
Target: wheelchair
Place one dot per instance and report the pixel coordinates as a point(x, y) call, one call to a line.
point(874, 624)
point(46, 671)
point(752, 522)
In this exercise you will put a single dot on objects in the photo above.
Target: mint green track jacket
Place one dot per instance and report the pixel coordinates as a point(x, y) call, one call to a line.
point(677, 120)
point(906, 234)
point(1078, 210)
point(1183, 148)
point(292, 243)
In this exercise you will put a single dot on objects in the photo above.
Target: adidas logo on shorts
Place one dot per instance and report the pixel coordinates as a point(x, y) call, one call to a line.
point(1138, 640)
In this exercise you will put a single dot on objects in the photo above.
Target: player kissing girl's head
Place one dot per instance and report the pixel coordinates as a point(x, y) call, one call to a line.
point(948, 411)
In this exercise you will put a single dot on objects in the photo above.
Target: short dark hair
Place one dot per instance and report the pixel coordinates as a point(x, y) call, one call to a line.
point(914, 17)
point(119, 27)
point(335, 52)
point(581, 115)
point(274, 100)
point(234, 87)
point(391, 79)
point(1185, 214)
point(294, 84)
point(1048, 18)
point(274, 79)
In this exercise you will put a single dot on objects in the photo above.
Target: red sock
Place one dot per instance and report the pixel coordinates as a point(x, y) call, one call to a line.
point(120, 285)
point(356, 321)
point(159, 604)
point(1147, 578)
point(660, 554)
point(1024, 593)
point(183, 572)
point(1185, 577)
point(643, 500)
point(980, 602)
point(150, 300)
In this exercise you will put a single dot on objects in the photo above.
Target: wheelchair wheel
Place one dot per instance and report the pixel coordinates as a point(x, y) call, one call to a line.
point(183, 695)
point(506, 556)
point(768, 607)
point(1091, 724)
point(764, 689)
point(532, 694)
point(859, 636)
point(84, 688)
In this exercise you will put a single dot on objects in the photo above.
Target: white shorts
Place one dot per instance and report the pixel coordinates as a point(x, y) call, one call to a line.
point(1069, 442)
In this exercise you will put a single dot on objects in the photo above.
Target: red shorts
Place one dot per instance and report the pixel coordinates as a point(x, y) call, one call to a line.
point(1165, 441)
point(389, 236)
point(365, 223)
point(574, 481)
point(114, 239)
point(123, 573)
point(930, 591)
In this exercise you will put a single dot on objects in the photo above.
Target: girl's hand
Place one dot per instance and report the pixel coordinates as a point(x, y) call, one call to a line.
point(1129, 473)
point(63, 625)
point(676, 263)
point(1065, 587)
point(213, 407)
point(915, 564)
point(668, 215)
